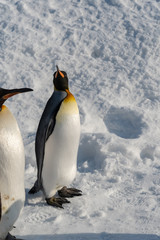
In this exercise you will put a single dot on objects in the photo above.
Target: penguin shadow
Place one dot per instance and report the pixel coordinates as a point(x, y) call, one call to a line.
point(90, 155)
point(124, 123)
point(94, 236)
point(18, 204)
point(11, 213)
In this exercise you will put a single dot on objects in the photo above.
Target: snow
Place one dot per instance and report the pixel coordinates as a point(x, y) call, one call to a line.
point(110, 50)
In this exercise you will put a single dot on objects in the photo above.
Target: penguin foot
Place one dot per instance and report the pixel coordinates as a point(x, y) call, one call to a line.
point(56, 202)
point(69, 192)
point(10, 237)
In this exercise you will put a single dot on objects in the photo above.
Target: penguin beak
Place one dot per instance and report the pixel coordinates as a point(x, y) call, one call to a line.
point(59, 72)
point(9, 93)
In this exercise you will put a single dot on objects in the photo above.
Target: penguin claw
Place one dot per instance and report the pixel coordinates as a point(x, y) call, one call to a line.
point(56, 202)
point(69, 192)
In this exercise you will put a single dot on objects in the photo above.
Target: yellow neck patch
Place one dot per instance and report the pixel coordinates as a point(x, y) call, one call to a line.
point(69, 97)
point(68, 106)
point(3, 107)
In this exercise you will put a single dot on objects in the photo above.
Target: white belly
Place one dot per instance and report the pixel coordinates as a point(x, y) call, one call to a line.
point(60, 160)
point(11, 171)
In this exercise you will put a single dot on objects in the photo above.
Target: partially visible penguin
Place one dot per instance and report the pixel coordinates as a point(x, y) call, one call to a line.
point(56, 144)
point(12, 194)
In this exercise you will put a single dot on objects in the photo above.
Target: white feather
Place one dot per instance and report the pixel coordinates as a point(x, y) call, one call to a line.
point(11, 171)
point(60, 160)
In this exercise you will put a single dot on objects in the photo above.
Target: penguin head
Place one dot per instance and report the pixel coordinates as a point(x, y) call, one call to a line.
point(60, 80)
point(7, 93)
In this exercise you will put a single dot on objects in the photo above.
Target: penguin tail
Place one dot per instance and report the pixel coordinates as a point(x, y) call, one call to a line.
point(36, 188)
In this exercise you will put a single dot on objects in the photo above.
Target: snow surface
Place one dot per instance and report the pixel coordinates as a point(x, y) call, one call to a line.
point(111, 52)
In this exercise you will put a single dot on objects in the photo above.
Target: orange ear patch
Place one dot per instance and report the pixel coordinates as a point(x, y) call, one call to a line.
point(62, 75)
point(56, 74)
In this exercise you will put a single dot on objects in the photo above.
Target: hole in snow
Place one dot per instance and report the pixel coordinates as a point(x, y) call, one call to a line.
point(125, 123)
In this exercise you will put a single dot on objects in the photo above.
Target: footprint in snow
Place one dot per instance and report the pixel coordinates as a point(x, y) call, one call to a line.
point(89, 152)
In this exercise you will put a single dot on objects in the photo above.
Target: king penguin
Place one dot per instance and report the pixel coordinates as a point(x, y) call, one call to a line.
point(56, 144)
point(12, 194)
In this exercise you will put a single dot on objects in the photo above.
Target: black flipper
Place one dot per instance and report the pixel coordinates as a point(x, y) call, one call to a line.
point(45, 129)
point(10, 237)
point(35, 188)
